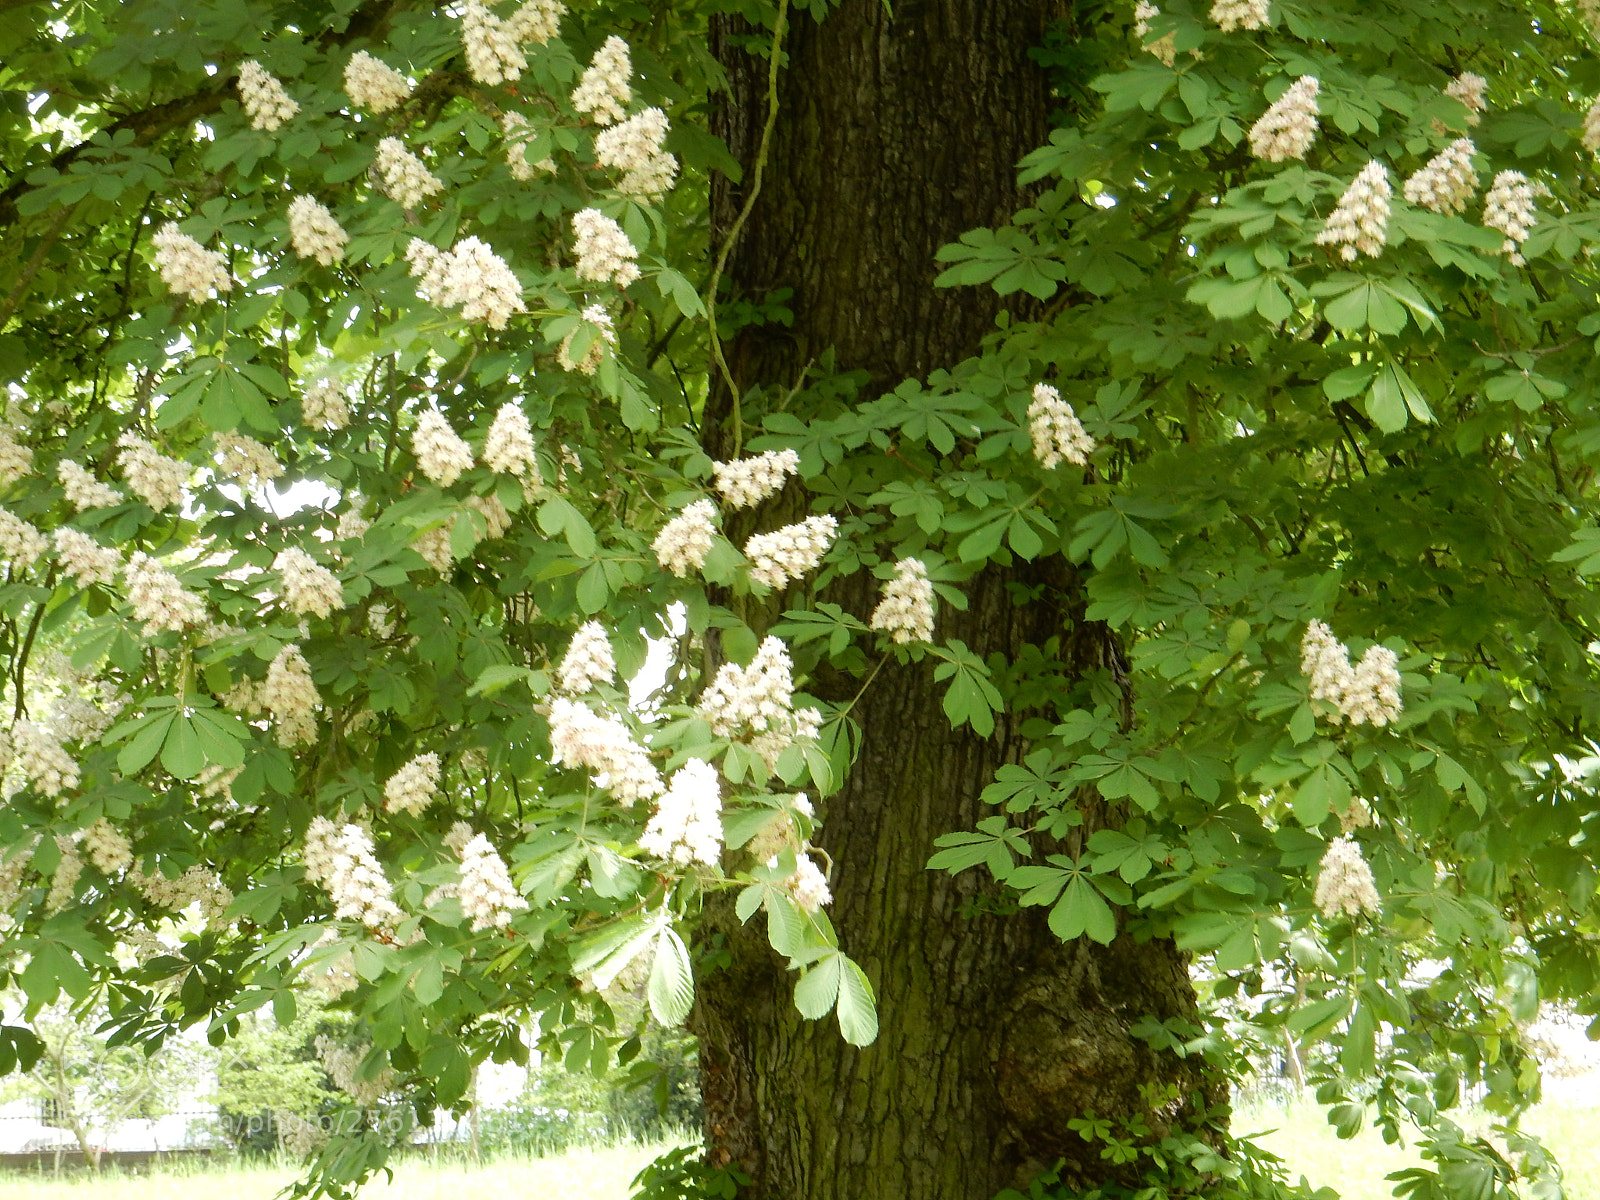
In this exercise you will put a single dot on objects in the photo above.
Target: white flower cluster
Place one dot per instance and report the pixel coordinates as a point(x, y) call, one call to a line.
point(603, 90)
point(324, 405)
point(314, 233)
point(158, 599)
point(1469, 88)
point(1344, 881)
point(487, 894)
point(508, 448)
point(1164, 47)
point(684, 541)
point(309, 588)
point(243, 459)
point(265, 102)
point(518, 134)
point(197, 885)
point(1240, 14)
point(758, 702)
point(83, 490)
point(342, 1066)
point(406, 180)
point(1055, 430)
point(440, 452)
point(471, 275)
point(597, 316)
point(1591, 128)
point(686, 826)
point(74, 719)
point(354, 879)
point(187, 267)
point(1359, 223)
point(493, 56)
point(1287, 129)
point(808, 885)
point(64, 882)
point(906, 610)
point(495, 517)
point(634, 148)
point(588, 660)
point(290, 695)
point(785, 555)
point(373, 84)
point(581, 737)
point(1447, 182)
point(1508, 206)
point(413, 787)
point(16, 460)
point(748, 481)
point(109, 852)
point(20, 542)
point(43, 762)
point(1368, 693)
point(216, 783)
point(536, 21)
point(604, 252)
point(352, 522)
point(433, 545)
point(85, 559)
point(154, 478)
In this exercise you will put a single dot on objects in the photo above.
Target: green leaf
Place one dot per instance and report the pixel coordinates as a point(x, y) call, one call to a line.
point(858, 1007)
point(146, 743)
point(1081, 910)
point(181, 753)
point(818, 989)
point(671, 989)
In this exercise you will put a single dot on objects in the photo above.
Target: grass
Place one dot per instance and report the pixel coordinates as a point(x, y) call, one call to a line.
point(1300, 1135)
point(1308, 1145)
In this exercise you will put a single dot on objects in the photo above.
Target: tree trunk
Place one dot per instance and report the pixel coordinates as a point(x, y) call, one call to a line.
point(895, 134)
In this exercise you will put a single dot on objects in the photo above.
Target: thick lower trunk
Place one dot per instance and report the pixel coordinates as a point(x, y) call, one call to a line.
point(896, 134)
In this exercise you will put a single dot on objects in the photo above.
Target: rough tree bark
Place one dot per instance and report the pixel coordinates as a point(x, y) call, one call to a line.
point(895, 134)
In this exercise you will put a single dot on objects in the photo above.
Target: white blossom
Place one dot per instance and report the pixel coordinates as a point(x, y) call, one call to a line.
point(64, 881)
point(471, 275)
point(45, 765)
point(603, 90)
point(906, 610)
point(290, 695)
point(309, 588)
point(1164, 47)
point(159, 599)
point(406, 180)
point(508, 448)
point(519, 133)
point(314, 233)
point(156, 479)
point(1359, 223)
point(1591, 127)
point(374, 84)
point(1240, 14)
point(356, 883)
point(413, 787)
point(605, 255)
point(684, 541)
point(748, 481)
point(343, 1066)
point(85, 559)
point(317, 854)
point(493, 55)
point(441, 454)
point(352, 523)
point(109, 852)
point(1055, 430)
point(1344, 881)
point(16, 460)
point(1508, 207)
point(785, 555)
point(324, 405)
point(496, 519)
point(265, 101)
point(243, 459)
point(216, 782)
point(74, 719)
point(634, 148)
point(1287, 129)
point(187, 267)
point(434, 547)
point(687, 824)
point(83, 490)
point(580, 737)
point(1368, 693)
point(21, 543)
point(1447, 182)
point(487, 894)
point(604, 336)
point(808, 885)
point(758, 701)
point(588, 660)
point(1469, 89)
point(536, 21)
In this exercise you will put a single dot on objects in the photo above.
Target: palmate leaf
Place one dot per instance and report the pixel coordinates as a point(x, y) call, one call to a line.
point(671, 988)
